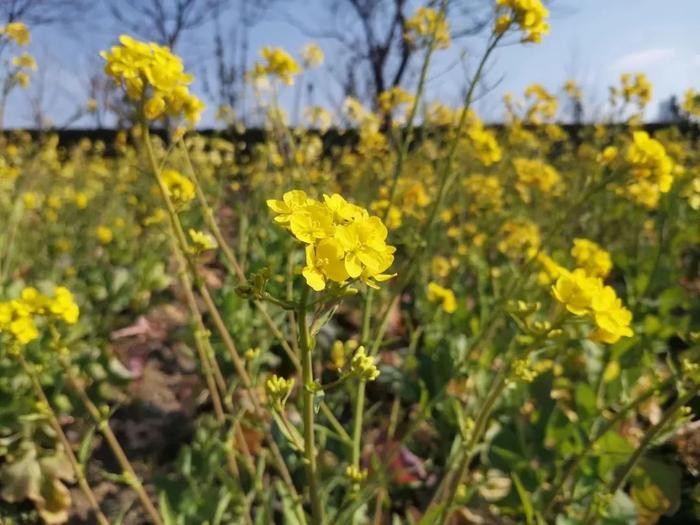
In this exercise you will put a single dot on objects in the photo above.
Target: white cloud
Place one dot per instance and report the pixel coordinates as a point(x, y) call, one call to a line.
point(641, 60)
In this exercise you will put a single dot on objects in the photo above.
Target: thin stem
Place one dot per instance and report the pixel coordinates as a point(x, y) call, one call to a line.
point(306, 348)
point(644, 444)
point(103, 425)
point(479, 428)
point(219, 323)
point(53, 420)
point(609, 425)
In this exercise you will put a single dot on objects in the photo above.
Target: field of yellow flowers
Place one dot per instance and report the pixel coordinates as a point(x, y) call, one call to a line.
point(430, 321)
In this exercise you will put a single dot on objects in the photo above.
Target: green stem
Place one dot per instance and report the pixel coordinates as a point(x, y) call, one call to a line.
point(73, 460)
point(654, 431)
point(306, 347)
point(609, 425)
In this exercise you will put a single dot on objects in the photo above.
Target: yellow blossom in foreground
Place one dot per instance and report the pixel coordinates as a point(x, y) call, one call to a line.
point(343, 241)
point(583, 295)
point(437, 293)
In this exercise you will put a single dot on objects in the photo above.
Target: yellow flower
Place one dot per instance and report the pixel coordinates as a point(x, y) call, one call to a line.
point(152, 73)
point(25, 61)
point(343, 240)
point(651, 168)
point(591, 258)
point(363, 365)
point(575, 290)
point(291, 201)
point(325, 260)
point(180, 189)
point(312, 55)
point(391, 99)
point(440, 266)
point(437, 293)
point(518, 237)
point(104, 234)
point(24, 330)
point(611, 317)
point(17, 32)
point(312, 222)
point(22, 79)
point(278, 390)
point(529, 15)
point(427, 22)
point(202, 241)
point(583, 295)
point(63, 306)
point(691, 102)
point(279, 63)
point(536, 174)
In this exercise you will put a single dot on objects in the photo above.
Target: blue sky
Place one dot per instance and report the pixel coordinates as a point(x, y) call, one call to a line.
point(591, 41)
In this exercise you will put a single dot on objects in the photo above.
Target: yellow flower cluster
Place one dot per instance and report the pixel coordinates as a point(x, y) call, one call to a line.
point(550, 269)
point(573, 90)
point(533, 173)
point(278, 390)
point(518, 237)
point(154, 76)
point(104, 234)
point(529, 15)
point(180, 189)
point(587, 296)
point(201, 241)
point(427, 22)
point(651, 167)
point(437, 293)
point(590, 257)
point(343, 242)
point(543, 106)
point(483, 141)
point(16, 32)
point(312, 55)
point(278, 63)
point(17, 316)
point(363, 365)
point(639, 89)
point(394, 98)
point(691, 103)
point(486, 192)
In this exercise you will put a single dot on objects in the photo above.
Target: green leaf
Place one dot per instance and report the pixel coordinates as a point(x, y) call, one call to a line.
point(524, 499)
point(166, 512)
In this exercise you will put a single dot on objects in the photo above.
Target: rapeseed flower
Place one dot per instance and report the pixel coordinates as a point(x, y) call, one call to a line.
point(17, 32)
point(343, 241)
point(427, 22)
point(595, 261)
point(154, 77)
point(445, 296)
point(529, 15)
point(587, 296)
